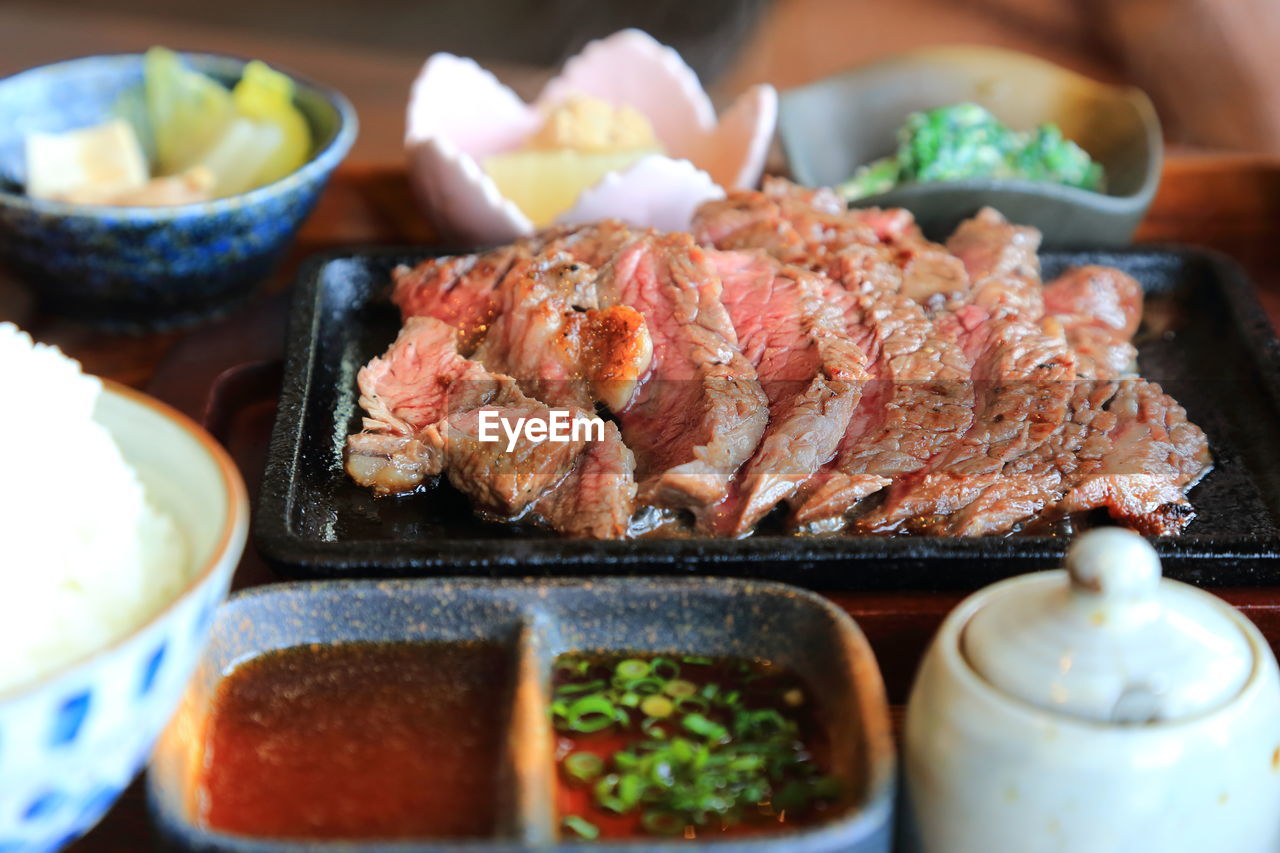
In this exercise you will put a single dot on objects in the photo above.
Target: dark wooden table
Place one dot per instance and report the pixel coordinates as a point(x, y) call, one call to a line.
point(1231, 204)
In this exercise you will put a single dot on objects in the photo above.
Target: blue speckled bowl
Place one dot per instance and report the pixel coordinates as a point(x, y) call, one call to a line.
point(146, 268)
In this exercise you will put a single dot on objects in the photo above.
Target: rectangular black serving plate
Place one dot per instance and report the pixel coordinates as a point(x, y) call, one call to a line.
point(1221, 361)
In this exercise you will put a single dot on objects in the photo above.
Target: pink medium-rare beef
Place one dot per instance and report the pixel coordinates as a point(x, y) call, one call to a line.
point(1127, 447)
point(1098, 310)
point(1023, 384)
point(810, 369)
point(701, 413)
point(417, 382)
point(919, 401)
point(596, 500)
point(793, 224)
point(559, 354)
point(423, 405)
point(1104, 294)
point(460, 290)
point(594, 244)
point(1030, 483)
point(990, 247)
point(1155, 456)
point(420, 379)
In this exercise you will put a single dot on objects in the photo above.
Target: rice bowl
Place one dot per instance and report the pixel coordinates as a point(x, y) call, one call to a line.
point(87, 554)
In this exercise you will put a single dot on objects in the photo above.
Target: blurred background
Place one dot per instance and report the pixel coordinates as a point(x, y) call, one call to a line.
point(1207, 63)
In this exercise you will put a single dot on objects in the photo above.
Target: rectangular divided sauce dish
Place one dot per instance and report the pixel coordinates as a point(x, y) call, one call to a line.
point(534, 623)
point(1205, 339)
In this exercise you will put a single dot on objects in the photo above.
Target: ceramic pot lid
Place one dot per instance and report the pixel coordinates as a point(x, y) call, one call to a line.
point(1109, 640)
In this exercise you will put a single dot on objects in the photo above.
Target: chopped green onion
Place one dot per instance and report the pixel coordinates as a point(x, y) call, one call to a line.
point(664, 668)
point(700, 725)
point(631, 668)
point(581, 827)
point(590, 714)
point(585, 687)
point(584, 766)
point(696, 660)
point(645, 686)
point(657, 706)
point(677, 688)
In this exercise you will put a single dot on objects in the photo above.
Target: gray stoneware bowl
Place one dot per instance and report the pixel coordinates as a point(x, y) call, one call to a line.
point(831, 127)
point(137, 269)
point(536, 621)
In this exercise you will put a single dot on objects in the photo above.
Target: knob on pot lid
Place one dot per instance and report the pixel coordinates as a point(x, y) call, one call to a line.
point(1109, 639)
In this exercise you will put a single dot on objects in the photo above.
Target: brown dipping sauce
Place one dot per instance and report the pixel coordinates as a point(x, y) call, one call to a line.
point(358, 741)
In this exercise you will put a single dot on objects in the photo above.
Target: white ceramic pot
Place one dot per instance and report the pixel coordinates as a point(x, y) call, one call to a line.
point(1098, 711)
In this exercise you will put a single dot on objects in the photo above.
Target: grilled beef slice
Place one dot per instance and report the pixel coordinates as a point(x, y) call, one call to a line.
point(461, 290)
point(810, 369)
point(559, 354)
point(424, 402)
point(597, 499)
point(419, 381)
point(919, 401)
point(1023, 375)
point(701, 413)
point(1098, 309)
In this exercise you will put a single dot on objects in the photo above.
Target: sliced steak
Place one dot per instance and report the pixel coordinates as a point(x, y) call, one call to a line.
point(1026, 486)
point(919, 401)
point(597, 499)
point(460, 290)
point(1126, 448)
point(793, 224)
point(594, 244)
point(391, 464)
point(419, 381)
point(501, 479)
point(1023, 384)
point(424, 404)
point(990, 247)
point(1155, 456)
point(810, 369)
point(559, 354)
point(702, 412)
point(1098, 309)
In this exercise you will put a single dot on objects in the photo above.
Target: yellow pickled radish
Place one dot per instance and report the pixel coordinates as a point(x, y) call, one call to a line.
point(266, 96)
point(544, 184)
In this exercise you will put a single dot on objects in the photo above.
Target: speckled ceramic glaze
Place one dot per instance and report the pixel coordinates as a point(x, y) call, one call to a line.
point(538, 620)
point(72, 741)
point(138, 268)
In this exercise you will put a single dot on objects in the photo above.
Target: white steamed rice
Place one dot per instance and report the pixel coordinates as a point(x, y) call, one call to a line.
point(84, 556)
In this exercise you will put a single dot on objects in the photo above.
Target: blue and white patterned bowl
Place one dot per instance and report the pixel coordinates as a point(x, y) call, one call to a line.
point(72, 741)
point(146, 268)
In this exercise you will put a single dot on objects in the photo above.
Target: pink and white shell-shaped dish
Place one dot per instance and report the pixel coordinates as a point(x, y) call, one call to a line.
point(459, 114)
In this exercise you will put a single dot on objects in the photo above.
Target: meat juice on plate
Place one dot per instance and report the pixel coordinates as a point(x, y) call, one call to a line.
point(358, 740)
point(684, 746)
